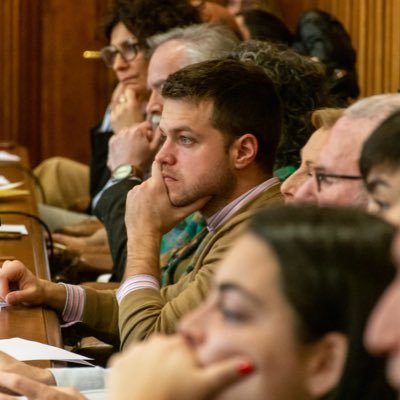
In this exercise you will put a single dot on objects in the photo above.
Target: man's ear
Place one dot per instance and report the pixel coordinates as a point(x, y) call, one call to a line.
point(325, 367)
point(244, 150)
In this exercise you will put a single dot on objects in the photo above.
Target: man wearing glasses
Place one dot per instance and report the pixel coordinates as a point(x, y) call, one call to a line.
point(336, 178)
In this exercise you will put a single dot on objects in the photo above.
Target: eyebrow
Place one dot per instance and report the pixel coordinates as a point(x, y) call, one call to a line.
point(157, 84)
point(128, 40)
point(230, 286)
point(372, 185)
point(177, 130)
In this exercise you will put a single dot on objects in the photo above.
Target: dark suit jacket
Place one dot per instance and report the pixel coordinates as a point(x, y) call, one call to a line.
point(110, 209)
point(99, 172)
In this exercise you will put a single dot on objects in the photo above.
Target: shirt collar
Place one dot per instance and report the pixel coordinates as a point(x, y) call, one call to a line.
point(222, 215)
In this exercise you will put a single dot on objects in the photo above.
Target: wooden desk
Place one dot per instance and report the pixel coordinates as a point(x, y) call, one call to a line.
point(34, 323)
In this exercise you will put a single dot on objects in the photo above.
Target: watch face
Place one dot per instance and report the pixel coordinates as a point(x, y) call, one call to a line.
point(123, 171)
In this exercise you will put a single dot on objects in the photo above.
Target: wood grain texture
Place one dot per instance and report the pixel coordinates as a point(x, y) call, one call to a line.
point(51, 96)
point(32, 323)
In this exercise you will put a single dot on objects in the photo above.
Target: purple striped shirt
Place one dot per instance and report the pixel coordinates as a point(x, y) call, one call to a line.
point(75, 301)
point(221, 216)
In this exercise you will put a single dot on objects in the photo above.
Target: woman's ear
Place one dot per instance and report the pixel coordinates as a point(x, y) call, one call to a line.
point(244, 150)
point(326, 364)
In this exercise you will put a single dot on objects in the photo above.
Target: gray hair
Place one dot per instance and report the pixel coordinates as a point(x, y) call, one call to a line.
point(202, 42)
point(375, 108)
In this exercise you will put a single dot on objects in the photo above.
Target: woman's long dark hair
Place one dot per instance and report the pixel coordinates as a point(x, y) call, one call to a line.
point(334, 265)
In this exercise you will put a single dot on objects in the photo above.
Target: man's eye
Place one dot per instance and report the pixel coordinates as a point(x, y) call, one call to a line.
point(185, 140)
point(231, 316)
point(382, 205)
point(326, 180)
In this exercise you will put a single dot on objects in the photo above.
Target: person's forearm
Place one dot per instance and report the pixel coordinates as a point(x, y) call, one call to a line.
point(143, 251)
point(55, 295)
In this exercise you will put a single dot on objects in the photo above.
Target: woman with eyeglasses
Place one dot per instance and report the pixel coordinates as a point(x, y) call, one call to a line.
point(285, 319)
point(127, 27)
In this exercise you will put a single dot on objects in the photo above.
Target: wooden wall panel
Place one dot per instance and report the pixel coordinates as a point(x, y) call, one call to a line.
point(72, 85)
point(49, 95)
point(374, 26)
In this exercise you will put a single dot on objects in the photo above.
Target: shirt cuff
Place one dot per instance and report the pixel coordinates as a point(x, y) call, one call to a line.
point(74, 304)
point(137, 282)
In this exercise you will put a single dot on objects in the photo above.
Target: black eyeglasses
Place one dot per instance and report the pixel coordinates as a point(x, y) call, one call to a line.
point(128, 50)
point(322, 177)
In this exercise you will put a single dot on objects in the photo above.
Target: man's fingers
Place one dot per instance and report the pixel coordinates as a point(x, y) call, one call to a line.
point(155, 138)
point(21, 385)
point(17, 297)
point(130, 95)
point(156, 173)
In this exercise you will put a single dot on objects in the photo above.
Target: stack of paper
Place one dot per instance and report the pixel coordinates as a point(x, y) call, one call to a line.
point(28, 350)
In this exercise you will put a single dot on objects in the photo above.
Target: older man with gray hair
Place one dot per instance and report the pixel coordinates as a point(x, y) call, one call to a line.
point(336, 179)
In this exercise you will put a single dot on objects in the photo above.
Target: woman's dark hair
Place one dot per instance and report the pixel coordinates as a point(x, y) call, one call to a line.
point(320, 34)
point(263, 25)
point(382, 148)
point(145, 18)
point(334, 265)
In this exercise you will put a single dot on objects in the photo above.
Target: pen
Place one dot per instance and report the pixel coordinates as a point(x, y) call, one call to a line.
point(10, 235)
point(6, 258)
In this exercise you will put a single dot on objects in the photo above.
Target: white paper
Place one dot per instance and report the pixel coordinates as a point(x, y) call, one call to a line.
point(28, 350)
point(6, 156)
point(3, 304)
point(10, 185)
point(99, 394)
point(4, 180)
point(14, 228)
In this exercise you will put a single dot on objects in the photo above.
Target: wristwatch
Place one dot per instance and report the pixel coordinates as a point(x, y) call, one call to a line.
point(126, 171)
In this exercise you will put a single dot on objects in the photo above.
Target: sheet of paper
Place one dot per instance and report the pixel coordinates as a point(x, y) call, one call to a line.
point(14, 228)
point(3, 304)
point(3, 180)
point(99, 394)
point(10, 185)
point(28, 350)
point(6, 156)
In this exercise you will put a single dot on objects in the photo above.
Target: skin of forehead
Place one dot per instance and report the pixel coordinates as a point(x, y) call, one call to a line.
point(172, 57)
point(342, 150)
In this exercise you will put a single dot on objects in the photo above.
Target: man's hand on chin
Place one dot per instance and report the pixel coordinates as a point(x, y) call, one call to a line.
point(149, 209)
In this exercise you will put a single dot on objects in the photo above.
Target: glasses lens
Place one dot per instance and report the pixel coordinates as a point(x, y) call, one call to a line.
point(108, 55)
point(129, 50)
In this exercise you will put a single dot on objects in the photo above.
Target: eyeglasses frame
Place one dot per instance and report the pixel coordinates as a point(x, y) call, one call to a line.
point(320, 174)
point(119, 51)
